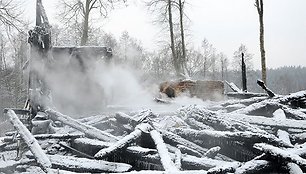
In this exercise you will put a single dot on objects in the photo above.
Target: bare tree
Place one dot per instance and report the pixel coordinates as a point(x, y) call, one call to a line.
point(208, 53)
point(83, 9)
point(224, 65)
point(259, 6)
point(171, 12)
point(10, 14)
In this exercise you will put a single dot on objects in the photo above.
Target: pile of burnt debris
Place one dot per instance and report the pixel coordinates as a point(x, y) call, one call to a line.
point(258, 134)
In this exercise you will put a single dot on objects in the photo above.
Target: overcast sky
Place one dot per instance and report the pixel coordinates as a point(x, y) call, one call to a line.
point(225, 23)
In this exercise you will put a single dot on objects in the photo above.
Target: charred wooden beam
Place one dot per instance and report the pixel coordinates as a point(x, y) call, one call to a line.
point(280, 154)
point(263, 86)
point(124, 142)
point(88, 130)
point(254, 166)
point(285, 124)
point(163, 152)
point(245, 95)
point(31, 142)
point(212, 152)
point(86, 165)
point(245, 137)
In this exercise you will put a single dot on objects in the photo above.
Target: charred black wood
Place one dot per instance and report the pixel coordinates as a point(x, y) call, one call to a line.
point(263, 86)
point(73, 150)
point(280, 155)
point(81, 164)
point(243, 71)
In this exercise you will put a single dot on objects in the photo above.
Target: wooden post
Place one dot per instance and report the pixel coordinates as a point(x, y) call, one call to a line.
point(31, 142)
point(243, 71)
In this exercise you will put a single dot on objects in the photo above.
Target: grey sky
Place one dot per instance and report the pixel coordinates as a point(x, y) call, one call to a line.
point(225, 23)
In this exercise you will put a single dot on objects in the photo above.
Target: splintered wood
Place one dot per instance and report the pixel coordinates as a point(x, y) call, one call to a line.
point(262, 134)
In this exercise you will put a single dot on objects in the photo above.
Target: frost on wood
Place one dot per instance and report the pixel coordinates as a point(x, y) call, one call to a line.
point(223, 137)
point(31, 142)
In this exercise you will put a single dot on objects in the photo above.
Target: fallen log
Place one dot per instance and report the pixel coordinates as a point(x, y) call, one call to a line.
point(187, 150)
point(144, 157)
point(253, 166)
point(30, 141)
point(228, 168)
point(245, 137)
point(86, 165)
point(124, 142)
point(9, 166)
point(212, 152)
point(263, 86)
point(272, 122)
point(280, 154)
point(218, 121)
point(294, 168)
point(178, 159)
point(163, 152)
point(88, 130)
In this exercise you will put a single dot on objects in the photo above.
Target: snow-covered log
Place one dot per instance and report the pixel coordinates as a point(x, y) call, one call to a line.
point(272, 122)
point(283, 135)
point(212, 152)
point(246, 137)
point(88, 130)
point(233, 87)
point(87, 165)
point(9, 166)
point(253, 166)
point(263, 86)
point(218, 121)
point(271, 104)
point(280, 154)
point(188, 150)
point(244, 95)
point(31, 142)
point(294, 168)
point(163, 152)
point(122, 143)
point(175, 140)
point(246, 102)
point(58, 136)
point(227, 168)
point(178, 159)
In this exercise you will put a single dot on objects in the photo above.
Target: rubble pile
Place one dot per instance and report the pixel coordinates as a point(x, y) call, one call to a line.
point(254, 135)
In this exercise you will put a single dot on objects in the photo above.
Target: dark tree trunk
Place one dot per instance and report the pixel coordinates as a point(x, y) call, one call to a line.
point(174, 56)
point(84, 38)
point(183, 59)
point(243, 70)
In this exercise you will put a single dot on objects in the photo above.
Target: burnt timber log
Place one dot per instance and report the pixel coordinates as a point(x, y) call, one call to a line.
point(31, 142)
point(280, 155)
point(88, 130)
point(263, 86)
point(163, 152)
point(86, 165)
point(270, 105)
point(122, 143)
